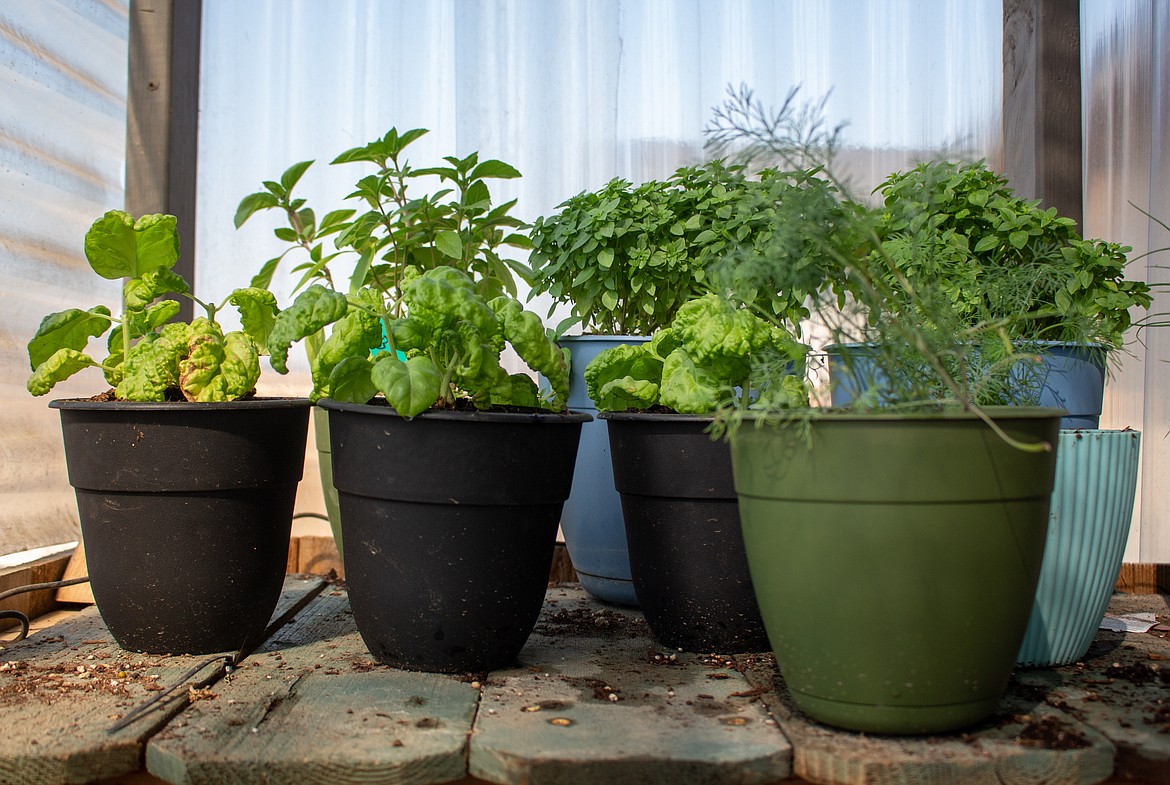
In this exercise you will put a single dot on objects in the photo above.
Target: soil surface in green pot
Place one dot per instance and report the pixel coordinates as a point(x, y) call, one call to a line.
point(895, 559)
point(682, 526)
point(449, 521)
point(185, 513)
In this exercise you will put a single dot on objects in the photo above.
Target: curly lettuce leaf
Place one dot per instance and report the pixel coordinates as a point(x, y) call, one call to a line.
point(258, 312)
point(219, 368)
point(351, 380)
point(142, 291)
point(626, 393)
point(313, 310)
point(636, 362)
point(70, 329)
point(152, 365)
point(525, 331)
point(688, 388)
point(58, 367)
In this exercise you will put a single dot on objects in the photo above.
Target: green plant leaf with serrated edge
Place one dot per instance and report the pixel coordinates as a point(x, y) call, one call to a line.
point(70, 329)
point(411, 387)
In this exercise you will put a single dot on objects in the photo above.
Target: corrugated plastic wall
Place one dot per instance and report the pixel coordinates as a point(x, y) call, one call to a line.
point(62, 158)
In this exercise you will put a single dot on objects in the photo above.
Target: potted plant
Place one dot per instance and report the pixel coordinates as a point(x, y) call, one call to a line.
point(450, 471)
point(185, 481)
point(455, 226)
point(625, 258)
point(992, 256)
point(678, 501)
point(894, 546)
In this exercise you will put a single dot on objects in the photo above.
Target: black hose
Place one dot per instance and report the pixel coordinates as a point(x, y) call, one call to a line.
point(22, 617)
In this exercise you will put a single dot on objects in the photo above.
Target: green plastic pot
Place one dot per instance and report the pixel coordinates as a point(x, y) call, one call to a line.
point(325, 466)
point(895, 559)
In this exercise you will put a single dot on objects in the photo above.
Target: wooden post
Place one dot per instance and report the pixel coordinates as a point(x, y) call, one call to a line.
point(162, 118)
point(1042, 102)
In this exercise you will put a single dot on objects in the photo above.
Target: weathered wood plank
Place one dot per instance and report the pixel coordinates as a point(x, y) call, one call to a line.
point(62, 689)
point(312, 707)
point(1144, 578)
point(31, 604)
point(1121, 688)
point(596, 699)
point(986, 755)
point(77, 568)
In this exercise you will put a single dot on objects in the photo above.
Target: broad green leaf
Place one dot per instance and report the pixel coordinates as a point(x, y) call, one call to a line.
point(987, 243)
point(142, 291)
point(313, 310)
point(609, 299)
point(351, 381)
point(1018, 239)
point(69, 329)
point(254, 203)
point(496, 169)
point(293, 174)
point(263, 279)
point(219, 368)
point(257, 313)
point(57, 368)
point(411, 387)
point(448, 243)
point(117, 246)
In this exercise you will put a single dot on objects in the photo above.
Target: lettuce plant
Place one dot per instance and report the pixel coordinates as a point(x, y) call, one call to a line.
point(713, 353)
point(151, 358)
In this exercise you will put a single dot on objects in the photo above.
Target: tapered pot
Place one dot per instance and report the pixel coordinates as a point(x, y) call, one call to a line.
point(325, 468)
point(592, 523)
point(895, 559)
point(681, 516)
point(448, 522)
point(185, 513)
point(1092, 504)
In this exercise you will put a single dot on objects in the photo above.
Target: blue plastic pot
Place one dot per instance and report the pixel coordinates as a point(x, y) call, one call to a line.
point(595, 532)
point(1072, 378)
point(1092, 504)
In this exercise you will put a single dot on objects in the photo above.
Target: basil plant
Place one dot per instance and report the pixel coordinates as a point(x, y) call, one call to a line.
point(149, 357)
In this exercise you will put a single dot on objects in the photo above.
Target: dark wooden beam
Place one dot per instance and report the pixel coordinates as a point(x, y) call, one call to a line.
point(162, 126)
point(1042, 102)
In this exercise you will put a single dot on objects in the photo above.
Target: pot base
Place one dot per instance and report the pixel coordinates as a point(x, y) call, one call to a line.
point(894, 720)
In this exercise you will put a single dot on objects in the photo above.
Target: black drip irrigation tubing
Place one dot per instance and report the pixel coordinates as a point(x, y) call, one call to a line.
point(22, 617)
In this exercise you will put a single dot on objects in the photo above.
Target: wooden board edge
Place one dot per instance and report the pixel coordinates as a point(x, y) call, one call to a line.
point(32, 604)
point(1144, 579)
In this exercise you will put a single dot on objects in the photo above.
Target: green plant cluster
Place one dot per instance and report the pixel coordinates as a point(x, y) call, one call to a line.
point(711, 354)
point(627, 257)
point(149, 357)
point(994, 256)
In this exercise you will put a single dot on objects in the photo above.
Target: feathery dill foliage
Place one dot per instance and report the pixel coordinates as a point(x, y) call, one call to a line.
point(828, 246)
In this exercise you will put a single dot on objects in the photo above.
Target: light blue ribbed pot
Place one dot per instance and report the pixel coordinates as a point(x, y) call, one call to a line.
point(1092, 503)
point(595, 532)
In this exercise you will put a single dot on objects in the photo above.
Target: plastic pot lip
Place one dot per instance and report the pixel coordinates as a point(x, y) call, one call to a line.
point(656, 417)
point(866, 346)
point(591, 337)
point(566, 417)
point(1101, 432)
point(83, 405)
point(996, 413)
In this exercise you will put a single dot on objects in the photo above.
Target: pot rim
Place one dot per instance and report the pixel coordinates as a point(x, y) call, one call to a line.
point(824, 414)
point(567, 417)
point(1095, 347)
point(81, 404)
point(587, 337)
point(657, 416)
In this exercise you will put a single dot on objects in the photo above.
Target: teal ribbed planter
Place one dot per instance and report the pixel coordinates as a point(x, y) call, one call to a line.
point(1092, 503)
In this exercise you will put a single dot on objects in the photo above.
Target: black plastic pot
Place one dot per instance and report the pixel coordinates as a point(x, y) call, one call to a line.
point(682, 526)
point(448, 521)
point(185, 514)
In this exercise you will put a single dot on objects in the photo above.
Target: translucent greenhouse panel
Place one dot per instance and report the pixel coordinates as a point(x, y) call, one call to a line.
point(62, 153)
point(1126, 62)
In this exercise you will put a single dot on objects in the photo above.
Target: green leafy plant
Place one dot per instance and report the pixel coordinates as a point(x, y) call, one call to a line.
point(992, 256)
point(627, 257)
point(713, 353)
point(151, 358)
point(451, 337)
point(929, 355)
point(392, 227)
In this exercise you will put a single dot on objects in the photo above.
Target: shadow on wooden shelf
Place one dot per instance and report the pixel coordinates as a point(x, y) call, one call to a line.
point(1144, 579)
